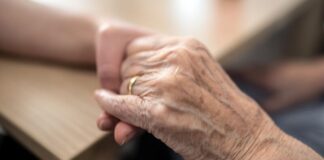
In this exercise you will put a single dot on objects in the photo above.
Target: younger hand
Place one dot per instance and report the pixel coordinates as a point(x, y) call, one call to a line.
point(111, 42)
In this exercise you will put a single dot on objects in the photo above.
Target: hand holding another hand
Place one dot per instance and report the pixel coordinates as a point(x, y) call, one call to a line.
point(185, 99)
point(111, 40)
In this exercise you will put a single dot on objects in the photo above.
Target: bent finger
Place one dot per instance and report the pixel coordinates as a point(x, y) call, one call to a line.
point(124, 132)
point(106, 122)
point(128, 108)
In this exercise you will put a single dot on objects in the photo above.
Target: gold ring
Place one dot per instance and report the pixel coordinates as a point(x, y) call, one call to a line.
point(131, 84)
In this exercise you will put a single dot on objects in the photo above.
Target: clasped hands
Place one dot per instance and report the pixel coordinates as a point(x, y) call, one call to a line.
point(181, 96)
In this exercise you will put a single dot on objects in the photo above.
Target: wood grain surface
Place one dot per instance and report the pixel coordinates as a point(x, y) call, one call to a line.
point(49, 108)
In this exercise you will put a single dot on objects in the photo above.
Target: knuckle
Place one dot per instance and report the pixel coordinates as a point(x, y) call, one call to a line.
point(191, 41)
point(196, 48)
point(182, 56)
point(171, 82)
point(159, 112)
point(182, 50)
point(172, 56)
point(179, 53)
point(106, 30)
point(185, 48)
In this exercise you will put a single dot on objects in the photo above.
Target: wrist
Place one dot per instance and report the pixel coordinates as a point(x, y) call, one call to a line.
point(79, 38)
point(248, 135)
point(85, 31)
point(266, 145)
point(282, 146)
point(261, 141)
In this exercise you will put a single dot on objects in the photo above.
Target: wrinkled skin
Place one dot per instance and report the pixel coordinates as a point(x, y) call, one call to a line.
point(288, 83)
point(185, 99)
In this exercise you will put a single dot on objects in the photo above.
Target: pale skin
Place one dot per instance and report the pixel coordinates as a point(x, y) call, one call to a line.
point(186, 100)
point(35, 31)
point(32, 30)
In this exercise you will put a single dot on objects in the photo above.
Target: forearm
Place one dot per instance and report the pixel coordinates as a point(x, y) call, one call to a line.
point(269, 143)
point(284, 147)
point(32, 30)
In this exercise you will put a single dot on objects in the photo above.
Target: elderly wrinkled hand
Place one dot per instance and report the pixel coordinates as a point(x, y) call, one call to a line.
point(186, 100)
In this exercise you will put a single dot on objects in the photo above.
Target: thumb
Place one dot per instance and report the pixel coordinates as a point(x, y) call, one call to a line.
point(128, 108)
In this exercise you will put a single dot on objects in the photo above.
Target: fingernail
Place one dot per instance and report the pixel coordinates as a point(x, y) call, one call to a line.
point(128, 138)
point(100, 124)
point(105, 125)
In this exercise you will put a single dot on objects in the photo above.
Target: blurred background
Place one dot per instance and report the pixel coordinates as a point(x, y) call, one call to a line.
point(274, 51)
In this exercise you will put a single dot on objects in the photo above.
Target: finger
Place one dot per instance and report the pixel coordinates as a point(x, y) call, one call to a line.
point(133, 62)
point(133, 67)
point(148, 43)
point(128, 108)
point(142, 86)
point(125, 132)
point(124, 86)
point(106, 122)
point(111, 42)
point(146, 62)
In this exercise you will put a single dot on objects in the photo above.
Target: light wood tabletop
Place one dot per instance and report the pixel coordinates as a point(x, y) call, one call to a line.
point(50, 109)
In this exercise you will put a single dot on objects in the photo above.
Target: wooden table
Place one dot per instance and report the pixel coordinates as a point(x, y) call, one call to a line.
point(50, 109)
